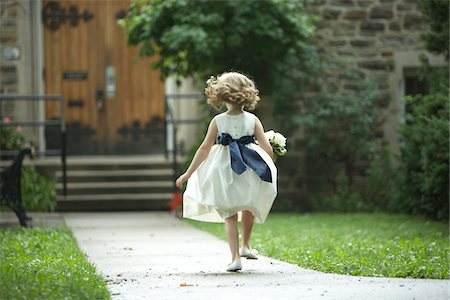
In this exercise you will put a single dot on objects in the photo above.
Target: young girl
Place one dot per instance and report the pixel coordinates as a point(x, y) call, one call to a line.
point(235, 179)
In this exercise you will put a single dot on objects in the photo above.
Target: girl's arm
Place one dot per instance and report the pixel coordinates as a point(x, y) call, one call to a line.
point(261, 138)
point(201, 154)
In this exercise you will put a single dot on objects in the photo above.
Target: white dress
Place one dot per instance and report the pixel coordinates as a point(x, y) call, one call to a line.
point(215, 192)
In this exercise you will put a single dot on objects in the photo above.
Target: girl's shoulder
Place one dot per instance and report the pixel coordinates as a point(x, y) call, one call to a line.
point(251, 116)
point(223, 116)
point(219, 116)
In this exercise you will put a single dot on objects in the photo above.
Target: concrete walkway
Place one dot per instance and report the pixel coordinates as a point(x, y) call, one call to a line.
point(156, 256)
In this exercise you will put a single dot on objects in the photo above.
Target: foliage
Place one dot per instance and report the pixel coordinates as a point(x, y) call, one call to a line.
point(46, 263)
point(11, 138)
point(437, 78)
point(436, 13)
point(340, 127)
point(38, 192)
point(203, 38)
point(423, 175)
point(380, 187)
point(425, 157)
point(376, 245)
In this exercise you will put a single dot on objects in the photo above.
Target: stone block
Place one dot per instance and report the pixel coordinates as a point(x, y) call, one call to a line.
point(382, 12)
point(344, 33)
point(355, 15)
point(413, 22)
point(12, 12)
point(395, 26)
point(324, 33)
point(364, 3)
point(331, 14)
point(337, 43)
point(392, 40)
point(8, 37)
point(367, 33)
point(414, 40)
point(7, 69)
point(317, 2)
point(362, 43)
point(344, 29)
point(342, 2)
point(387, 53)
point(10, 89)
point(346, 53)
point(8, 24)
point(372, 26)
point(364, 52)
point(376, 65)
point(404, 7)
point(8, 75)
point(349, 25)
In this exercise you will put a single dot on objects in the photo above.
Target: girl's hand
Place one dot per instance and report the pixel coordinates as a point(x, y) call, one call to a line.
point(181, 180)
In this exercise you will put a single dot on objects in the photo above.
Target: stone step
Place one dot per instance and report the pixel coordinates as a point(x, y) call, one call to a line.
point(113, 202)
point(116, 175)
point(98, 183)
point(133, 187)
point(126, 166)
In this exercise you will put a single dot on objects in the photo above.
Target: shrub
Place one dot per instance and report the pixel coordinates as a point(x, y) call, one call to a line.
point(10, 138)
point(340, 129)
point(424, 180)
point(380, 190)
point(38, 192)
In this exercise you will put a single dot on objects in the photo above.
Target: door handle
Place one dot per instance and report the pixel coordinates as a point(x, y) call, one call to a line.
point(100, 98)
point(110, 75)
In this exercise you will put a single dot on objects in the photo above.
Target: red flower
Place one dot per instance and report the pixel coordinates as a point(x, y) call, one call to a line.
point(177, 200)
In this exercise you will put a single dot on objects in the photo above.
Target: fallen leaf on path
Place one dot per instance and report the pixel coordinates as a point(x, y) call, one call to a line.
point(186, 284)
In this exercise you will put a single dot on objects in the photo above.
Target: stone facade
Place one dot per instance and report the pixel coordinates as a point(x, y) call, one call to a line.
point(19, 68)
point(379, 38)
point(373, 36)
point(8, 38)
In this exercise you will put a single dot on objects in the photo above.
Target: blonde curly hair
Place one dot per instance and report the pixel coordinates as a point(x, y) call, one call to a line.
point(233, 88)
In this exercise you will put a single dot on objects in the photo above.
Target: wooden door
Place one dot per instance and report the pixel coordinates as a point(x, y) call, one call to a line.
point(114, 101)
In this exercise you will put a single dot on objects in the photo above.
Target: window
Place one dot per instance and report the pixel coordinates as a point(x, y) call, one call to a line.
point(414, 85)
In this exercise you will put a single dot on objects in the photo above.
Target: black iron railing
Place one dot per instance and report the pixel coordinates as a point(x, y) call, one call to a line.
point(35, 123)
point(171, 127)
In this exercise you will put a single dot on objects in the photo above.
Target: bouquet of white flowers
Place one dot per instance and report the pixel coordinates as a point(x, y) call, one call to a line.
point(277, 141)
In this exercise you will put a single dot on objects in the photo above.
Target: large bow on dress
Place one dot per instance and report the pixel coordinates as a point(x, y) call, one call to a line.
point(242, 156)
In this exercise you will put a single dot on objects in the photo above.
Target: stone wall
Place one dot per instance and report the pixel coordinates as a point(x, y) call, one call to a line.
point(19, 66)
point(379, 38)
point(372, 36)
point(8, 38)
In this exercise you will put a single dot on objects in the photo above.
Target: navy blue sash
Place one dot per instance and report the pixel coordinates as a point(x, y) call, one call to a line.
point(242, 156)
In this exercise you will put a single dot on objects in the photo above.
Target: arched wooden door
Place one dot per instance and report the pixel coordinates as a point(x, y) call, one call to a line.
point(113, 100)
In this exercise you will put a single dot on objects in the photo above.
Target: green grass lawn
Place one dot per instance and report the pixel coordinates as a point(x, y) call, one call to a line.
point(46, 264)
point(356, 244)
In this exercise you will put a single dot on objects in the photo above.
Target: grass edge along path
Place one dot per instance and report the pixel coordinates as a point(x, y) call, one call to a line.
point(46, 263)
point(378, 245)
